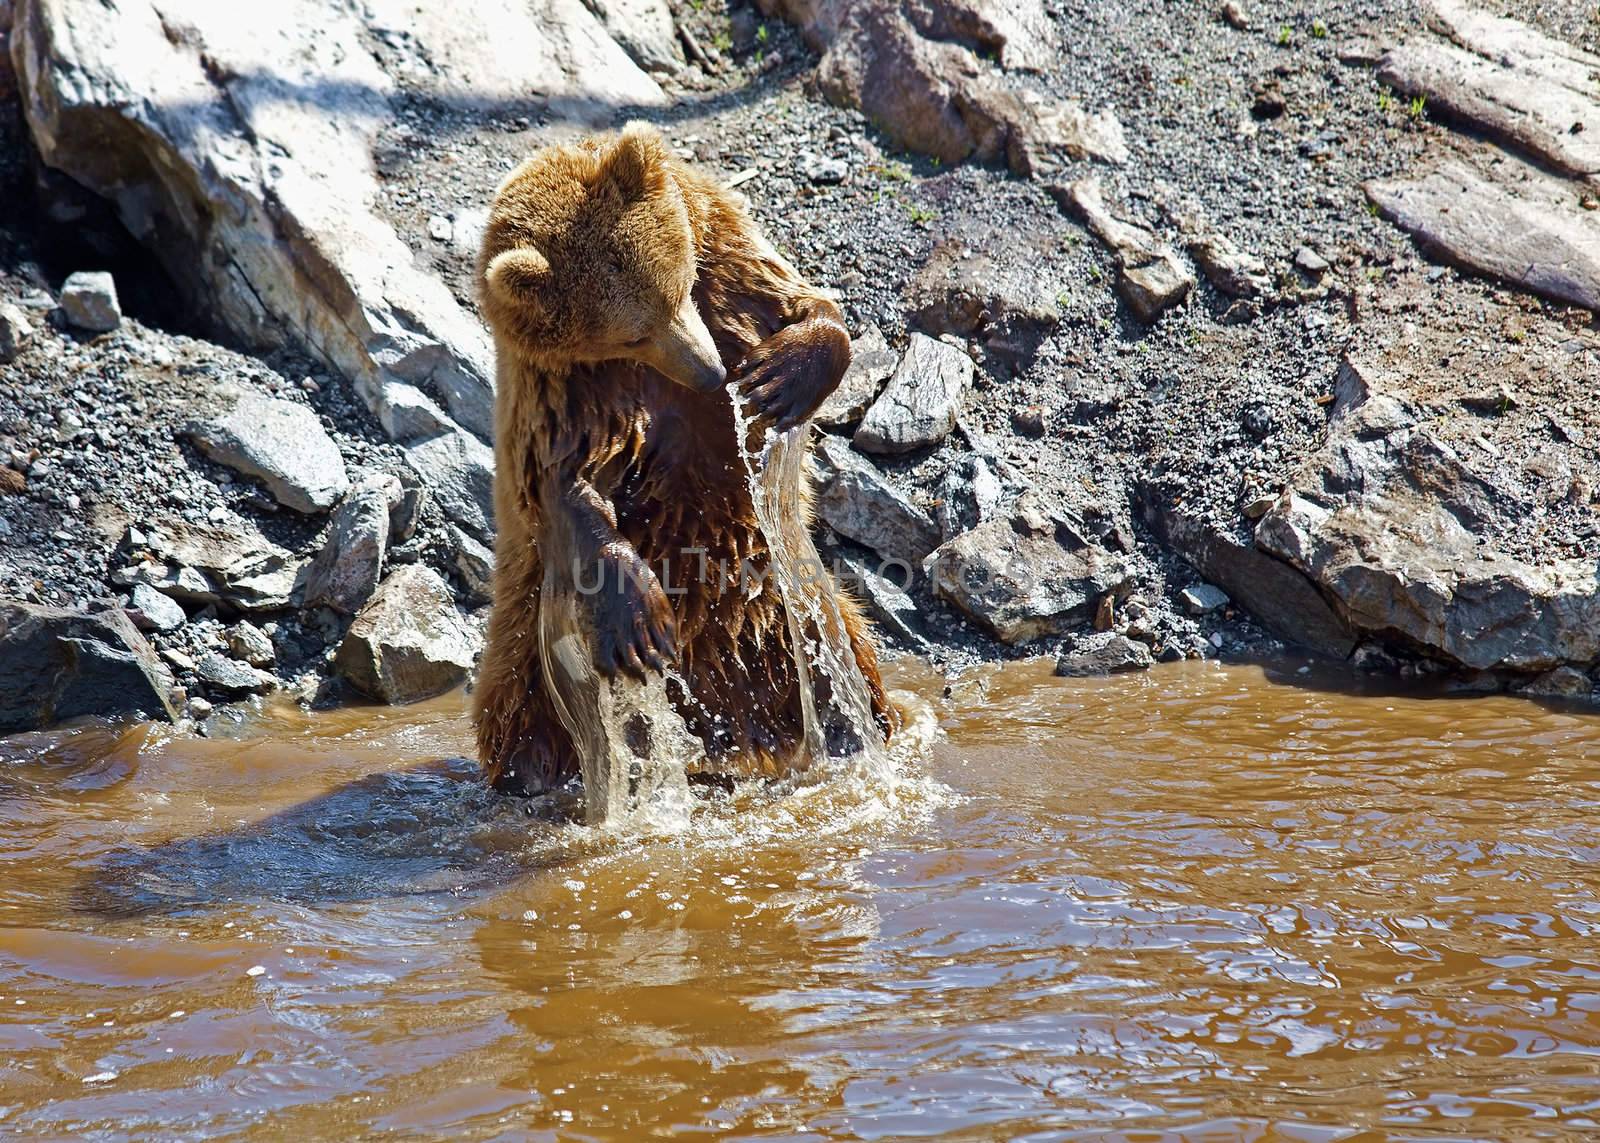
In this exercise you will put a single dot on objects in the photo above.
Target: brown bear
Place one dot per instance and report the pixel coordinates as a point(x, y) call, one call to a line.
point(624, 288)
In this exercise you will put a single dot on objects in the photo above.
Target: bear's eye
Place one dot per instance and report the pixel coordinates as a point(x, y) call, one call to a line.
point(636, 342)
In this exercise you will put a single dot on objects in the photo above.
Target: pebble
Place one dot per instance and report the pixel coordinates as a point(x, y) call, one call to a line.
point(89, 301)
point(256, 970)
point(440, 228)
point(199, 708)
point(1203, 599)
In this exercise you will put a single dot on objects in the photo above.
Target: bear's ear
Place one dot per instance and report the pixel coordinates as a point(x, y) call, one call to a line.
point(636, 164)
point(517, 276)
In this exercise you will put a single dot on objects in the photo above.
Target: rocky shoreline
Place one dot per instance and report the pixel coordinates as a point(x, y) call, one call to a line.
point(1179, 331)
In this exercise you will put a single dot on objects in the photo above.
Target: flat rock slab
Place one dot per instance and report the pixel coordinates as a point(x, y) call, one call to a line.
point(1527, 232)
point(458, 470)
point(1520, 87)
point(858, 502)
point(918, 407)
point(1152, 278)
point(1019, 583)
point(278, 442)
point(236, 566)
point(57, 664)
point(409, 643)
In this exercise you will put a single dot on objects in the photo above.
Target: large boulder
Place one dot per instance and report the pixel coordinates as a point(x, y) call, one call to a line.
point(57, 664)
point(409, 642)
point(237, 141)
point(1394, 525)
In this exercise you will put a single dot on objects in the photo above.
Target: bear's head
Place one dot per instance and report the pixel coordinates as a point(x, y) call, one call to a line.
point(589, 256)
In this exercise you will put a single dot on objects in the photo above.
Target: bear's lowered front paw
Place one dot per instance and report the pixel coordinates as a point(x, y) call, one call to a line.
point(635, 630)
point(786, 377)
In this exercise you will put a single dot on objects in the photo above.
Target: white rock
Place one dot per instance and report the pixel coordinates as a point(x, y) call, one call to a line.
point(89, 301)
point(918, 406)
point(279, 442)
point(160, 612)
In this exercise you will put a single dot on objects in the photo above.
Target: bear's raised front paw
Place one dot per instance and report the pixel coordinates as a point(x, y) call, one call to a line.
point(785, 378)
point(635, 630)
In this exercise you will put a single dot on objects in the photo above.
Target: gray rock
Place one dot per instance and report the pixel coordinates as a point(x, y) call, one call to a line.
point(1523, 228)
point(969, 494)
point(1202, 599)
point(56, 665)
point(644, 29)
point(915, 71)
point(15, 331)
point(231, 678)
point(1016, 580)
point(265, 208)
point(89, 301)
point(1006, 298)
point(1153, 278)
point(1388, 521)
point(157, 612)
point(346, 571)
point(236, 566)
point(475, 563)
point(1104, 653)
point(1231, 270)
point(1310, 261)
point(887, 601)
point(822, 170)
point(871, 363)
point(1508, 80)
point(248, 642)
point(856, 501)
point(408, 414)
point(458, 470)
point(280, 443)
point(1284, 600)
point(1562, 683)
point(918, 407)
point(408, 643)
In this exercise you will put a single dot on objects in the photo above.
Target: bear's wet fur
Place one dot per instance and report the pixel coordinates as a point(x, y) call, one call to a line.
point(623, 289)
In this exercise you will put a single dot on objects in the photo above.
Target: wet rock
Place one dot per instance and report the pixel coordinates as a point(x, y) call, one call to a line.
point(856, 501)
point(248, 642)
point(1231, 270)
point(1153, 279)
point(969, 493)
point(15, 330)
point(1009, 304)
point(475, 564)
point(1523, 230)
point(915, 70)
point(156, 612)
point(230, 678)
point(278, 442)
point(1564, 683)
point(408, 643)
point(57, 664)
point(345, 572)
point(264, 208)
point(1202, 599)
point(458, 470)
point(1508, 80)
point(1016, 580)
point(1389, 522)
point(237, 566)
point(918, 406)
point(871, 363)
point(1103, 654)
point(644, 29)
point(89, 302)
point(888, 603)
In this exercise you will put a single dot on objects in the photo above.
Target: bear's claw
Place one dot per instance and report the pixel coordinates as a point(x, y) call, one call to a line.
point(635, 630)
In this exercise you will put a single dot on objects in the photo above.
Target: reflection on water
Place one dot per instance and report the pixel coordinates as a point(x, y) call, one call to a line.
point(1193, 905)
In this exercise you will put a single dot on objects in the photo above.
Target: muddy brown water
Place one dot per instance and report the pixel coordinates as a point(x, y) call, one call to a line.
point(1206, 904)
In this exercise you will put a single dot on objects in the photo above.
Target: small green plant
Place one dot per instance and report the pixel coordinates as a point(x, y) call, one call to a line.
point(1385, 101)
point(1418, 104)
point(895, 172)
point(936, 161)
point(1285, 35)
point(1063, 300)
point(1319, 30)
point(722, 41)
point(920, 215)
point(762, 34)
